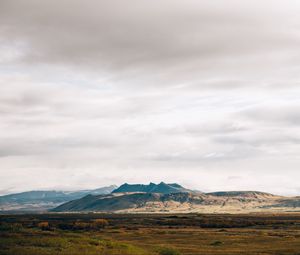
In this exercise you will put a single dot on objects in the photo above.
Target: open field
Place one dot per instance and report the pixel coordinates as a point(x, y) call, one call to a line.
point(161, 234)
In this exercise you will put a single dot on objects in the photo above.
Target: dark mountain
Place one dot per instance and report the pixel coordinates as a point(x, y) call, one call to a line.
point(40, 200)
point(162, 187)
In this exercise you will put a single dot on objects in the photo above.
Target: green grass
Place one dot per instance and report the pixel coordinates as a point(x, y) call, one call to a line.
point(33, 242)
point(168, 251)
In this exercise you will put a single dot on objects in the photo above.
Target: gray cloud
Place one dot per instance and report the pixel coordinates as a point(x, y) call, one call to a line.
point(287, 113)
point(164, 44)
point(95, 92)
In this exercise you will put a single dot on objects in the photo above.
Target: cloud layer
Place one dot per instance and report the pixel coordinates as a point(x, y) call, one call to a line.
point(199, 92)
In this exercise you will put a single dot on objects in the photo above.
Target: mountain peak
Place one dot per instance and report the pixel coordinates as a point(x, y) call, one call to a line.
point(162, 187)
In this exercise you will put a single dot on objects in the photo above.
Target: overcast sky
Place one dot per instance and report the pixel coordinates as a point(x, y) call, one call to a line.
point(203, 93)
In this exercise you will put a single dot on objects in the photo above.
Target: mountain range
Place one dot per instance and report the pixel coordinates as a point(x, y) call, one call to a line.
point(173, 198)
point(151, 198)
point(42, 200)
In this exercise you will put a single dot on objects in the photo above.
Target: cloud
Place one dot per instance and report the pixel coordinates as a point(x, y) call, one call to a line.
point(279, 114)
point(93, 92)
point(169, 43)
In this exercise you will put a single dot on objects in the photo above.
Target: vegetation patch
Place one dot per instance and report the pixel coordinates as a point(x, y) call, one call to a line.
point(168, 251)
point(216, 243)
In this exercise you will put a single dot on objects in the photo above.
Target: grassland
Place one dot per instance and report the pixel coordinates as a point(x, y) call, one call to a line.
point(146, 234)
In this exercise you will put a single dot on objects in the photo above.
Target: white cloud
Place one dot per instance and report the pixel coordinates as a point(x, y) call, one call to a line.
point(113, 92)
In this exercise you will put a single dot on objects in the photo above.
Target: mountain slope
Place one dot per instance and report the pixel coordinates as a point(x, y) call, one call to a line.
point(115, 202)
point(254, 194)
point(41, 200)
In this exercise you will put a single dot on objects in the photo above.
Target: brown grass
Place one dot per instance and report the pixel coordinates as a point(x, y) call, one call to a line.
point(150, 234)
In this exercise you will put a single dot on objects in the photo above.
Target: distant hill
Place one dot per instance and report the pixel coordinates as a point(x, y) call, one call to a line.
point(255, 194)
point(41, 200)
point(164, 188)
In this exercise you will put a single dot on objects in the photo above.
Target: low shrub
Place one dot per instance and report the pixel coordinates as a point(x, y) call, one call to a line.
point(168, 251)
point(98, 224)
point(81, 226)
point(14, 227)
point(93, 225)
point(65, 226)
point(44, 225)
point(216, 243)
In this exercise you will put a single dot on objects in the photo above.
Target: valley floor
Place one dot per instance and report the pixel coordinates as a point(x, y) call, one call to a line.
point(164, 234)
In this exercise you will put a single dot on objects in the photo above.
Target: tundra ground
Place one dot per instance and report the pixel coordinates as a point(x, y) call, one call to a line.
point(160, 234)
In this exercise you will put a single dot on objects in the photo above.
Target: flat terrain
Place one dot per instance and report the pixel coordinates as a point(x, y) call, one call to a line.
point(161, 234)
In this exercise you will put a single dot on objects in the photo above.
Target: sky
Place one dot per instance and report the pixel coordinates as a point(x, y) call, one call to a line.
point(98, 92)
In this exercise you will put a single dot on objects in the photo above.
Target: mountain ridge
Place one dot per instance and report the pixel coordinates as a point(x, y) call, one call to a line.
point(162, 187)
